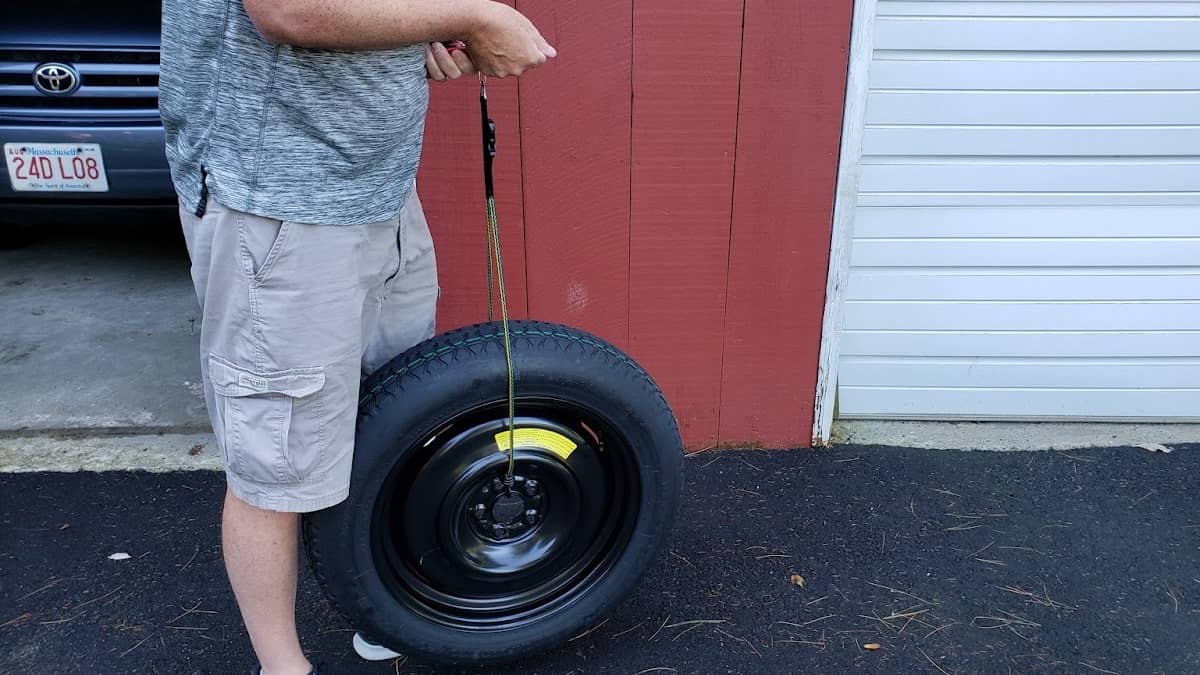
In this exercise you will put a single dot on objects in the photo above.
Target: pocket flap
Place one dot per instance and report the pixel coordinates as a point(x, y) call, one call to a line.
point(231, 380)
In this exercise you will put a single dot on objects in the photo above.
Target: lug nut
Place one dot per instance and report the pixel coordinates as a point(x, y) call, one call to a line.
point(497, 484)
point(480, 511)
point(531, 487)
point(531, 516)
point(499, 530)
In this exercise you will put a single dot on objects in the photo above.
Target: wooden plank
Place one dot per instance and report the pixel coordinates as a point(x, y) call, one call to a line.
point(1115, 344)
point(1031, 221)
point(1035, 34)
point(1175, 405)
point(790, 115)
point(1031, 252)
point(862, 38)
point(1008, 107)
point(1031, 141)
point(575, 129)
point(451, 188)
point(1044, 316)
point(1101, 373)
point(1057, 8)
point(1023, 175)
point(684, 129)
point(1022, 284)
point(1092, 73)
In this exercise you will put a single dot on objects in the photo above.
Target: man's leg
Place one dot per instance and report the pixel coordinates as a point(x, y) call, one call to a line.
point(281, 355)
point(260, 558)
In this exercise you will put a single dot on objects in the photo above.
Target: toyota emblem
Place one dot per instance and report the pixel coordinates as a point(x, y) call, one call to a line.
point(56, 79)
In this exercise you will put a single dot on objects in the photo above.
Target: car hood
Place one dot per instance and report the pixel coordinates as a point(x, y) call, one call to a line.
point(80, 23)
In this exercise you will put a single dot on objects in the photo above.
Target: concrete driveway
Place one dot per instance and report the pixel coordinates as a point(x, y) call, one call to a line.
point(99, 331)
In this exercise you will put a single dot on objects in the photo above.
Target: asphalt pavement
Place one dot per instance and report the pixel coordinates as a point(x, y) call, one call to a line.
point(1084, 561)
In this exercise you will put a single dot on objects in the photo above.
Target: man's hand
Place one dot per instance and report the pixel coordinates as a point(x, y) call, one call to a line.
point(444, 64)
point(506, 43)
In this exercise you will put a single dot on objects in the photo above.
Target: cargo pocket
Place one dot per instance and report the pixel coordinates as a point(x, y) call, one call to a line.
point(255, 414)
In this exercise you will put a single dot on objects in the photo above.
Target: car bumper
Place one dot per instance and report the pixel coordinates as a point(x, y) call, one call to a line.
point(139, 180)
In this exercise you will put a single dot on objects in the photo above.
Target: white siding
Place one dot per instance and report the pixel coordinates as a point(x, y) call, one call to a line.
point(1027, 236)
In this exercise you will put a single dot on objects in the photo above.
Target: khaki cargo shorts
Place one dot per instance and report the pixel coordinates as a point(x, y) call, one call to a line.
point(293, 317)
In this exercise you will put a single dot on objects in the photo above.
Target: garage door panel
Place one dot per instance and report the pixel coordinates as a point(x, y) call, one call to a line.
point(990, 71)
point(1053, 141)
point(1048, 316)
point(1074, 221)
point(1056, 8)
point(1016, 404)
point(1031, 107)
point(990, 372)
point(919, 175)
point(1027, 228)
point(1016, 343)
point(1040, 252)
point(1037, 33)
point(1041, 198)
point(1020, 284)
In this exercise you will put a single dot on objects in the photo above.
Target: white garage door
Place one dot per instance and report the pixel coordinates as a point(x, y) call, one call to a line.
point(1027, 234)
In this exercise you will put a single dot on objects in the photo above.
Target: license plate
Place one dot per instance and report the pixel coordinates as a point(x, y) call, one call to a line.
point(55, 167)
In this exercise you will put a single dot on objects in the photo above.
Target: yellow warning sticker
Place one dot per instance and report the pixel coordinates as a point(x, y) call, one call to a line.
point(538, 438)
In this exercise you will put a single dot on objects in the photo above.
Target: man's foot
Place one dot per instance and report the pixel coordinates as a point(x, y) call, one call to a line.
point(369, 651)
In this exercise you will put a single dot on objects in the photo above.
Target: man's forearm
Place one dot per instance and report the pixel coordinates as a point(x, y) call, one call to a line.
point(366, 24)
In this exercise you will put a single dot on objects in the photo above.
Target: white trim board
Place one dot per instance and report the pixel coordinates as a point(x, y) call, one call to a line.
point(862, 39)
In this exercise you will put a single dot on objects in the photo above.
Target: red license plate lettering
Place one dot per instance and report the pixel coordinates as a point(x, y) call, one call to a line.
point(40, 167)
point(55, 167)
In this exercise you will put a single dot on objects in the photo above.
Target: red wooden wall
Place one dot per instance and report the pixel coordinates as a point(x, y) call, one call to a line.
point(667, 183)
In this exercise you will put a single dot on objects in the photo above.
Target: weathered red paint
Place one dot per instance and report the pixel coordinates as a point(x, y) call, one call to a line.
point(666, 183)
point(451, 187)
point(789, 128)
point(575, 131)
point(684, 126)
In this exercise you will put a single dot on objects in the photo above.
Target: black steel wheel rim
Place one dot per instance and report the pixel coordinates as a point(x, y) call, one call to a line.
point(461, 546)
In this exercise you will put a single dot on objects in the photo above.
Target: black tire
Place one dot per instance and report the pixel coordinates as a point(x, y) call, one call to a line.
point(422, 454)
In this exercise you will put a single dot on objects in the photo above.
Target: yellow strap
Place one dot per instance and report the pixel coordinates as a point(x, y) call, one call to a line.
point(494, 254)
point(495, 258)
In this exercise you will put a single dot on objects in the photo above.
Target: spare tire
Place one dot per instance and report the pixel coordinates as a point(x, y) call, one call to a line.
point(436, 556)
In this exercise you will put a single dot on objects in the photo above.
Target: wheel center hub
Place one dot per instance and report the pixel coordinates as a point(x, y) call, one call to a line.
point(508, 508)
point(502, 513)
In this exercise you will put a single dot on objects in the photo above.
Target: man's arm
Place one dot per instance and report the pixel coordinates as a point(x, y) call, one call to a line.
point(501, 41)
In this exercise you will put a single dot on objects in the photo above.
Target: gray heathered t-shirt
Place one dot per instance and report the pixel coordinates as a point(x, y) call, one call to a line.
point(305, 135)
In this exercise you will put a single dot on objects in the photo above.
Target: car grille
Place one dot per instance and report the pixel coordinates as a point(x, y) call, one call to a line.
point(117, 86)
